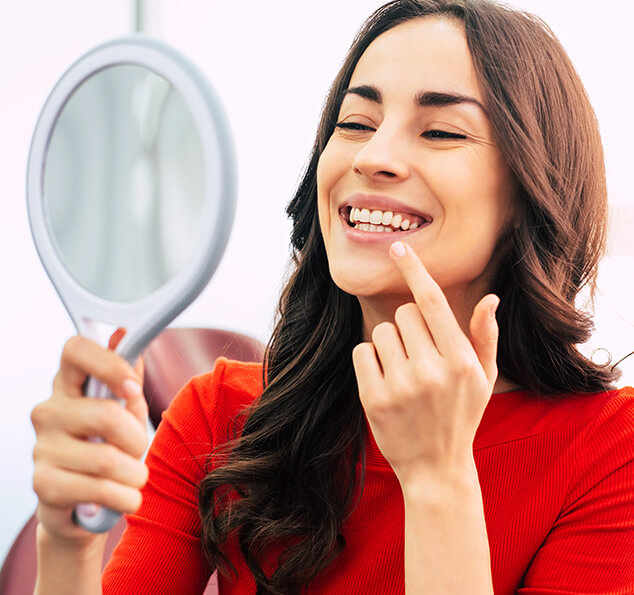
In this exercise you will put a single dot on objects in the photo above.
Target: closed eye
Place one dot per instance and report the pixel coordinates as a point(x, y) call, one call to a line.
point(441, 134)
point(433, 134)
point(352, 126)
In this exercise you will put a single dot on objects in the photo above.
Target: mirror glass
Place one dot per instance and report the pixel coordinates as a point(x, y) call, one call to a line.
point(124, 183)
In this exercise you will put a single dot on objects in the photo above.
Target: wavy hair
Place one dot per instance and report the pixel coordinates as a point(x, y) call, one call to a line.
point(294, 472)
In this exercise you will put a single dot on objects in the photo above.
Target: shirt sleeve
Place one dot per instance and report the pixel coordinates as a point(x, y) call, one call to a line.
point(160, 550)
point(590, 549)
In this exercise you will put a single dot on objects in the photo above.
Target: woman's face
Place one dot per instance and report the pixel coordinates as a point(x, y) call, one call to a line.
point(413, 144)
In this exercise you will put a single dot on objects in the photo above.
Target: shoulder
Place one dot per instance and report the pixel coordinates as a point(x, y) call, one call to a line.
point(234, 383)
point(519, 415)
point(601, 418)
point(609, 412)
point(605, 453)
point(610, 422)
point(210, 403)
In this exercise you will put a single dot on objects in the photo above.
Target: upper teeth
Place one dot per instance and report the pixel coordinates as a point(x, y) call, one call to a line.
point(378, 217)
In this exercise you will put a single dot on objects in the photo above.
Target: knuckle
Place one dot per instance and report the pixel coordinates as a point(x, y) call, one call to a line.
point(56, 385)
point(431, 297)
point(105, 424)
point(38, 482)
point(72, 348)
point(107, 462)
point(46, 489)
point(40, 415)
point(119, 368)
point(107, 416)
point(428, 377)
point(464, 365)
point(39, 452)
point(402, 388)
point(378, 410)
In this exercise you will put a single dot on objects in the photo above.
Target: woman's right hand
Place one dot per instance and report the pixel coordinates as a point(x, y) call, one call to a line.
point(69, 469)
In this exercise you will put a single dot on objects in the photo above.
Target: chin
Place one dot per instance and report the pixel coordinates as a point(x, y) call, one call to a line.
point(365, 283)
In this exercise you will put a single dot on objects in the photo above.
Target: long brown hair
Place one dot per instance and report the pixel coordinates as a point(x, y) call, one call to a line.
point(296, 470)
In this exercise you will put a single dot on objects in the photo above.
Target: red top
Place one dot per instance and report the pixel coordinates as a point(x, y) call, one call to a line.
point(557, 480)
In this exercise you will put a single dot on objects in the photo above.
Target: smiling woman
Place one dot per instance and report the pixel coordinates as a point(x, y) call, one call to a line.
point(412, 138)
point(396, 438)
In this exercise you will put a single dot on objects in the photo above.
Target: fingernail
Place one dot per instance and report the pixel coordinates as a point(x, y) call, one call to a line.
point(493, 308)
point(398, 249)
point(132, 388)
point(89, 510)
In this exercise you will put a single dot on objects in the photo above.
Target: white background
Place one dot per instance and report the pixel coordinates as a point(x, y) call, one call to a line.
point(272, 63)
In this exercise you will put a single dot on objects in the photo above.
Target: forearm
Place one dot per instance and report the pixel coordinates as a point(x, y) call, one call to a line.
point(446, 544)
point(67, 569)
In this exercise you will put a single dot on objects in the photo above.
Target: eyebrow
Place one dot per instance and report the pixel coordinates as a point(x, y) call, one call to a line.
point(423, 98)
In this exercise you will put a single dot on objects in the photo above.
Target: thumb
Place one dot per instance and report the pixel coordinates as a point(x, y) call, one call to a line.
point(484, 332)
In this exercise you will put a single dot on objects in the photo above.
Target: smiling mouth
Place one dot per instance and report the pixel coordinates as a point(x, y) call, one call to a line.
point(375, 220)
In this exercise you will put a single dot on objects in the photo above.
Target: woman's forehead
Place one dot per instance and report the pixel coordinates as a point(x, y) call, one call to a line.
point(423, 54)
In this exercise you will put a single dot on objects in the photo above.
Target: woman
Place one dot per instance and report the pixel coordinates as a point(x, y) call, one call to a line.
point(401, 441)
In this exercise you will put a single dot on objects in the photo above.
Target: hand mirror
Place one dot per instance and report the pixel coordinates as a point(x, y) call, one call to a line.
point(131, 195)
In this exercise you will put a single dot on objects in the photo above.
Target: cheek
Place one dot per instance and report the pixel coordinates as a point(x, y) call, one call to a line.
point(330, 170)
point(329, 167)
point(322, 194)
point(475, 189)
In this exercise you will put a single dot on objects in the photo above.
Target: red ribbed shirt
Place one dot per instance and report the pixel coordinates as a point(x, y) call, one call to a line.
point(557, 479)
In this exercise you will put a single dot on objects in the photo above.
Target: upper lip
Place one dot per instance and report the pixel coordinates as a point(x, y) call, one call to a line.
point(384, 203)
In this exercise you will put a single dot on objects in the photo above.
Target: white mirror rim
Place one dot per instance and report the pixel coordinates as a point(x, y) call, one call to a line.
point(145, 316)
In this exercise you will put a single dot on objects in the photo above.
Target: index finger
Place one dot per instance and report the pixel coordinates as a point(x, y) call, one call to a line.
point(429, 298)
point(82, 357)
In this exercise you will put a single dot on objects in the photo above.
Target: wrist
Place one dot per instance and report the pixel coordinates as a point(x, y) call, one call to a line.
point(85, 546)
point(442, 486)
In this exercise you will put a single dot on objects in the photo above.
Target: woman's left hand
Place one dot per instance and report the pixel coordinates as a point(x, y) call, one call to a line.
point(423, 383)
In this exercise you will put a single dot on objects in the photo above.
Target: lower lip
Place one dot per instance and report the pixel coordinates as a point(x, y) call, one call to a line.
point(376, 237)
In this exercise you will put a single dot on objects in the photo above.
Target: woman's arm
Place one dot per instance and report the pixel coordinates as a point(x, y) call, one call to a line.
point(69, 469)
point(446, 544)
point(66, 567)
point(424, 386)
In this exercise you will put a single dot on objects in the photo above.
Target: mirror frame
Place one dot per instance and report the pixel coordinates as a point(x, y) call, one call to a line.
point(146, 317)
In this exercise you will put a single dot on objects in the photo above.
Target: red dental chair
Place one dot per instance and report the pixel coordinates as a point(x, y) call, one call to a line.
point(171, 359)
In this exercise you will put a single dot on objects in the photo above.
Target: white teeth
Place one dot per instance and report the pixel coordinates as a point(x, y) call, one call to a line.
point(376, 216)
point(381, 221)
point(373, 228)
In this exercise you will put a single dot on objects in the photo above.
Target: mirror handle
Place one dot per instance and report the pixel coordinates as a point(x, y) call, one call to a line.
point(91, 517)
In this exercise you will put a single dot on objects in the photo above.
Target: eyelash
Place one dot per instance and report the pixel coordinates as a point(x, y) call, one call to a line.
point(434, 133)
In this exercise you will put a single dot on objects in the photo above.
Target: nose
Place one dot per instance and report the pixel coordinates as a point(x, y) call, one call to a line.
point(382, 158)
